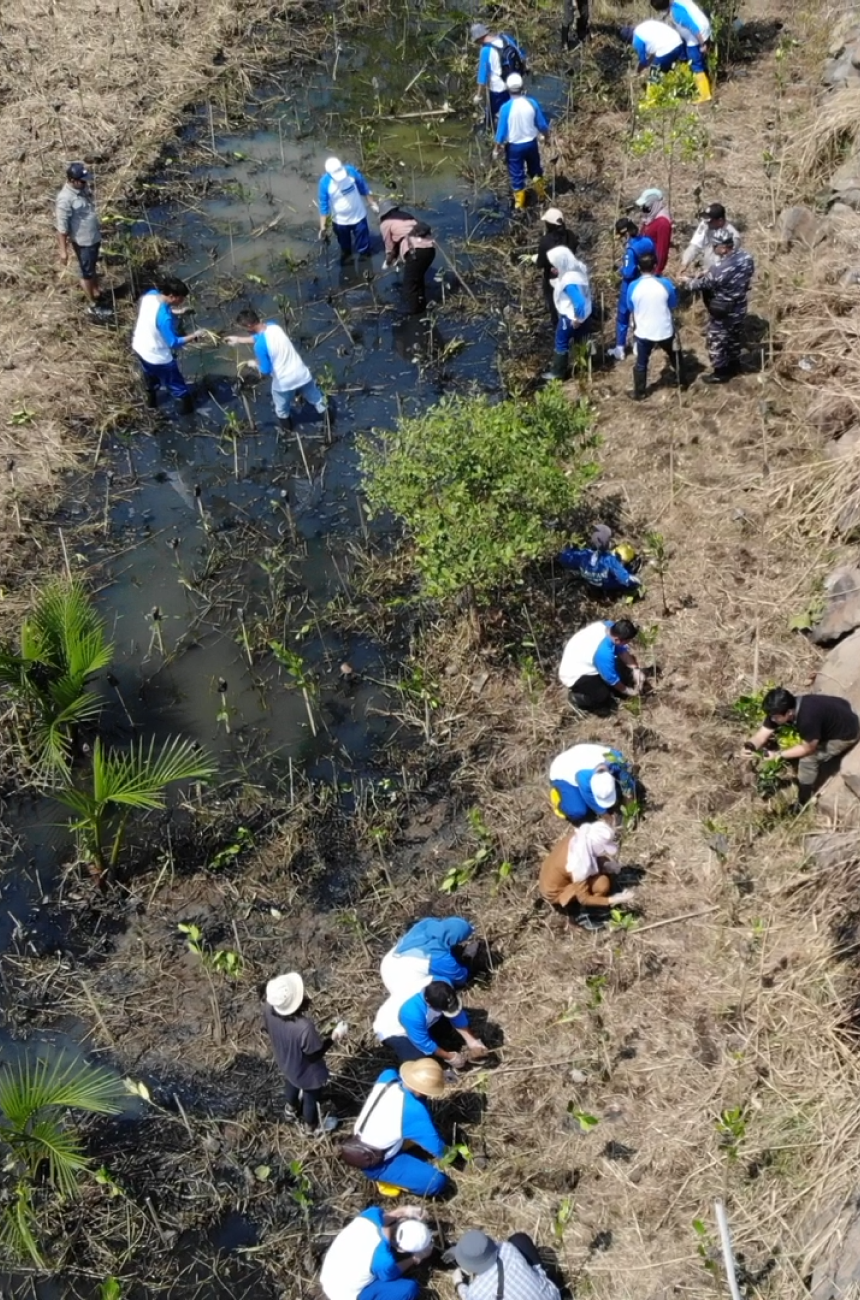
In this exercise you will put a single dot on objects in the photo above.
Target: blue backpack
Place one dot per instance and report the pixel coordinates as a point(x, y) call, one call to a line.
point(511, 57)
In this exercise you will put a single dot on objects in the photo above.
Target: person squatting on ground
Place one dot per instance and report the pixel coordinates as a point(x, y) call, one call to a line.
point(298, 1049)
point(368, 1258)
point(655, 223)
point(509, 1271)
point(600, 566)
point(694, 28)
point(78, 227)
point(342, 191)
point(408, 244)
point(555, 235)
point(521, 121)
point(712, 227)
point(155, 343)
point(597, 664)
point(432, 949)
point(499, 57)
point(651, 301)
point(827, 726)
point(725, 289)
point(637, 244)
point(578, 871)
point(405, 1021)
point(572, 297)
point(589, 780)
point(394, 1113)
point(277, 357)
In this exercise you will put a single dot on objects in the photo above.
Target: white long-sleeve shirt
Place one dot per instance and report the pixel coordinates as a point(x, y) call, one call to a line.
point(702, 244)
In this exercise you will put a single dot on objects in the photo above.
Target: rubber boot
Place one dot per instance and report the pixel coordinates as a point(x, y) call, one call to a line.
point(186, 404)
point(519, 200)
point(539, 185)
point(703, 85)
point(719, 375)
point(565, 37)
point(640, 380)
point(560, 368)
point(152, 399)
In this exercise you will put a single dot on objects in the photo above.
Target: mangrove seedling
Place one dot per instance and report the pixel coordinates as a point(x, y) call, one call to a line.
point(302, 1190)
point(43, 1150)
point(563, 1215)
point(621, 920)
point(658, 560)
point(585, 1121)
point(62, 645)
point(731, 1129)
point(122, 781)
point(302, 677)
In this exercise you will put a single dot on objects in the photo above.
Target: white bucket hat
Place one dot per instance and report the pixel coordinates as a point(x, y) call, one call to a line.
point(412, 1236)
point(285, 993)
point(603, 789)
point(335, 169)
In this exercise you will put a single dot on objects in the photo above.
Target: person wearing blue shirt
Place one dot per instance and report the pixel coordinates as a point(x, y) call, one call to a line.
point(494, 67)
point(395, 1113)
point(432, 949)
point(342, 191)
point(587, 780)
point(405, 1025)
point(629, 271)
point(156, 340)
point(599, 565)
point(694, 27)
point(597, 664)
point(651, 300)
point(571, 293)
point(368, 1258)
point(521, 121)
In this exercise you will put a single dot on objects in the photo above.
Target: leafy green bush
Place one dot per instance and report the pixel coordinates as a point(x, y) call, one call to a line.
point(477, 483)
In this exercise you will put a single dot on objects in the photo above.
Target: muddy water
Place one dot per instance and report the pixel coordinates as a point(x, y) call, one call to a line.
point(214, 535)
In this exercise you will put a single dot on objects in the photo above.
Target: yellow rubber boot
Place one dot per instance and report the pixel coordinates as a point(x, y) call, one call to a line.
point(703, 85)
point(388, 1189)
point(540, 188)
point(519, 198)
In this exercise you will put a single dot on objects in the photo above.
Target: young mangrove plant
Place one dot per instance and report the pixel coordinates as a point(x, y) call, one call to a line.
point(62, 645)
point(476, 485)
point(121, 782)
point(41, 1145)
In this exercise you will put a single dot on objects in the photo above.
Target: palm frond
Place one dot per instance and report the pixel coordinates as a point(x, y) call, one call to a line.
point(67, 631)
point(137, 777)
point(79, 801)
point(13, 670)
point(30, 1085)
point(47, 1139)
point(18, 1226)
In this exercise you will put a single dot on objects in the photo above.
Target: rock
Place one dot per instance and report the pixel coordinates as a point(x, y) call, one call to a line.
point(831, 415)
point(845, 183)
point(845, 446)
point(799, 225)
point(840, 672)
point(842, 71)
point(836, 1272)
point(841, 607)
point(833, 849)
point(839, 797)
point(849, 277)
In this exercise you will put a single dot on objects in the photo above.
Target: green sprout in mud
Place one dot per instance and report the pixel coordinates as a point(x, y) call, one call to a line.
point(585, 1121)
point(456, 877)
point(41, 1148)
point(595, 985)
point(562, 1217)
point(731, 1129)
point(621, 920)
point(631, 812)
point(658, 560)
point(302, 1190)
point(21, 417)
point(224, 960)
point(303, 679)
point(243, 840)
point(456, 1151)
point(705, 1245)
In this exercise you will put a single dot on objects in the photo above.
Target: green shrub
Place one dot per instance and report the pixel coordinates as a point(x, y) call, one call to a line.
point(477, 485)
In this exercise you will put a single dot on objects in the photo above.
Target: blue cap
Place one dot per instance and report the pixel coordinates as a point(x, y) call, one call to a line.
point(78, 172)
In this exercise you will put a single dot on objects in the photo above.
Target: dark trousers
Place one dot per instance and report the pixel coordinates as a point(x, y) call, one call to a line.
point(403, 1048)
point(644, 348)
point(550, 302)
point(166, 373)
point(310, 1102)
point(415, 268)
point(590, 693)
point(497, 98)
point(725, 337)
point(360, 233)
point(525, 1245)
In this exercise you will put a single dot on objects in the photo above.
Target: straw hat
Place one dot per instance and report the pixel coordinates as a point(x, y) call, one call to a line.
point(285, 993)
point(425, 1077)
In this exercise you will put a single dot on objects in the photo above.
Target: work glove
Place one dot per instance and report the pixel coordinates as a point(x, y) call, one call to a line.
point(529, 257)
point(340, 1031)
point(623, 897)
point(458, 1061)
point(458, 1277)
point(479, 98)
point(386, 265)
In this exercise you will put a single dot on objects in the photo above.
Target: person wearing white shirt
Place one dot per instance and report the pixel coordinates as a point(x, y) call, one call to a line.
point(277, 357)
point(651, 300)
point(368, 1258)
point(657, 45)
point(342, 191)
point(712, 224)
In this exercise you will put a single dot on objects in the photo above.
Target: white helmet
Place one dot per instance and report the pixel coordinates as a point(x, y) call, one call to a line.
point(514, 82)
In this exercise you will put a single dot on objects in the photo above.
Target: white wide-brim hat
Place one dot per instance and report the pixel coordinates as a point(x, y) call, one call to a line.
point(285, 993)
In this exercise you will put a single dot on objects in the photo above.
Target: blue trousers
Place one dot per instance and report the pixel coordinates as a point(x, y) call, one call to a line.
point(497, 98)
point(622, 320)
point(668, 61)
point(401, 1288)
point(166, 373)
point(698, 58)
point(523, 158)
point(566, 333)
point(411, 1173)
point(359, 232)
point(283, 400)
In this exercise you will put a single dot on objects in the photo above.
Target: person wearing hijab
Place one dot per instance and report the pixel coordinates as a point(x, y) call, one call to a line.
point(579, 870)
point(409, 244)
point(655, 223)
point(556, 235)
point(572, 299)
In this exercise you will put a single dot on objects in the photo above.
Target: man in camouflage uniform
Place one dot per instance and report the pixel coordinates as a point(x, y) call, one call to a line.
point(724, 290)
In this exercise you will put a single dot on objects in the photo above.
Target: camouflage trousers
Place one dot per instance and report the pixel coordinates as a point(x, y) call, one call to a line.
point(725, 338)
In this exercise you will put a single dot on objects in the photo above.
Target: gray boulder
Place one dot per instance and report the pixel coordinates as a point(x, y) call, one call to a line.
point(831, 415)
point(841, 606)
point(801, 226)
point(839, 797)
point(836, 1270)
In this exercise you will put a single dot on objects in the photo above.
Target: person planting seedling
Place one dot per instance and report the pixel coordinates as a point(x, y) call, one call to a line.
point(826, 725)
